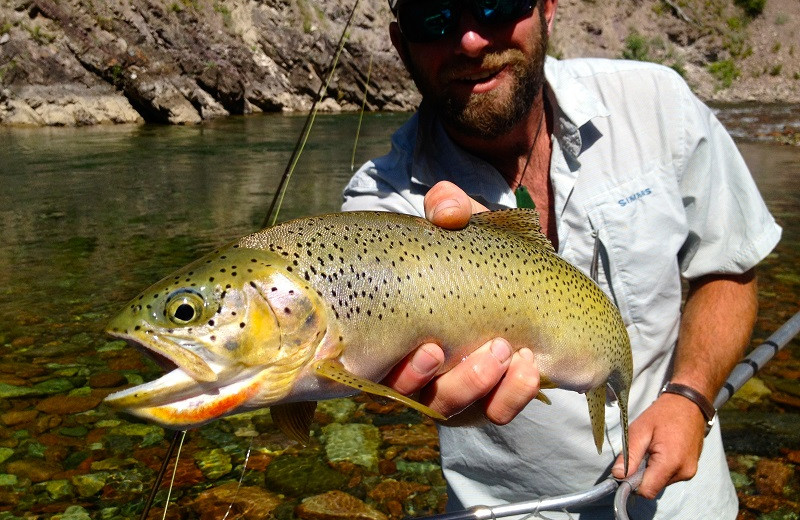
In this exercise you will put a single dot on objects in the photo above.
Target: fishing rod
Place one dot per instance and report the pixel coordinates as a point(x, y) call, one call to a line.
point(277, 199)
point(179, 436)
point(622, 489)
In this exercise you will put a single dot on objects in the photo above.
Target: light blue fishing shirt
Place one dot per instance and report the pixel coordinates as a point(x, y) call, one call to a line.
point(644, 170)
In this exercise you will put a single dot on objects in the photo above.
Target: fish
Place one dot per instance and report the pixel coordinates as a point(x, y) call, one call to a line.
point(323, 307)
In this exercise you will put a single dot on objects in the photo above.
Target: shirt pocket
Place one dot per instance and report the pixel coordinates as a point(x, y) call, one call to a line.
point(640, 227)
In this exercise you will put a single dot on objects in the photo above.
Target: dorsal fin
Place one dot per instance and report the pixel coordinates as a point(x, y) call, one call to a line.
point(521, 222)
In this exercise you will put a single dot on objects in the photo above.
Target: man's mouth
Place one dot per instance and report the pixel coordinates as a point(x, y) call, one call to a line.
point(478, 76)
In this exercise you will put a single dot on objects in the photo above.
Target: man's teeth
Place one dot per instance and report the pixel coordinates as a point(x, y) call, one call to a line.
point(479, 76)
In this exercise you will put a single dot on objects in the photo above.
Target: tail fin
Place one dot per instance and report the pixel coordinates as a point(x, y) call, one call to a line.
point(621, 389)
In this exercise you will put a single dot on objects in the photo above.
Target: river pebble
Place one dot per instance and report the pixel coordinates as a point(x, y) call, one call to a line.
point(66, 404)
point(771, 476)
point(14, 418)
point(213, 463)
point(246, 502)
point(353, 442)
point(335, 505)
point(302, 475)
point(89, 484)
point(35, 470)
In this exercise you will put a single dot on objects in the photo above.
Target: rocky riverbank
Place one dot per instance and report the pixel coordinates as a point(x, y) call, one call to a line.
point(78, 62)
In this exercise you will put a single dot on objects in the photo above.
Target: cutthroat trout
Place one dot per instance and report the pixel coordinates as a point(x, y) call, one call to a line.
point(323, 307)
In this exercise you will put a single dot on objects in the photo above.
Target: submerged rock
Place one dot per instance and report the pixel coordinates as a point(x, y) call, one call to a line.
point(335, 505)
point(752, 392)
point(69, 404)
point(354, 442)
point(302, 475)
point(213, 463)
point(14, 418)
point(73, 513)
point(772, 477)
point(35, 470)
point(89, 484)
point(246, 502)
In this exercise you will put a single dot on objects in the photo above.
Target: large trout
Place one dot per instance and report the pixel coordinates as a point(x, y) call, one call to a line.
point(323, 307)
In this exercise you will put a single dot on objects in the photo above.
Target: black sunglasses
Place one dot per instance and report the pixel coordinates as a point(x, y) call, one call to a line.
point(423, 21)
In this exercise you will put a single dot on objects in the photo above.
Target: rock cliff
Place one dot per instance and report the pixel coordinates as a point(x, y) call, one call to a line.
point(81, 62)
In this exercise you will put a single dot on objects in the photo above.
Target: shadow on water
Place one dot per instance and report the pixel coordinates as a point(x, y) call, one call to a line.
point(91, 216)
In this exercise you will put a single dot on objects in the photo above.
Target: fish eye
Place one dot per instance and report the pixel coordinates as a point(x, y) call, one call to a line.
point(184, 307)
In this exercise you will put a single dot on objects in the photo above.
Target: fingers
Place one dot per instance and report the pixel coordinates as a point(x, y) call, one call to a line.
point(505, 382)
point(416, 370)
point(517, 388)
point(448, 206)
point(639, 438)
point(671, 431)
point(470, 380)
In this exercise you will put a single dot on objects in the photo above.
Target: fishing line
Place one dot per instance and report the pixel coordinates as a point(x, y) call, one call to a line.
point(176, 440)
point(174, 472)
point(277, 199)
point(361, 114)
point(241, 479)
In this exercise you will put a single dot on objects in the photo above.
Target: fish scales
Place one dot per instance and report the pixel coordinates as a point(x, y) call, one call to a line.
point(359, 291)
point(427, 282)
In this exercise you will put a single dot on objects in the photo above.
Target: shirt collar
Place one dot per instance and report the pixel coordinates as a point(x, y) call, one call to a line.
point(575, 106)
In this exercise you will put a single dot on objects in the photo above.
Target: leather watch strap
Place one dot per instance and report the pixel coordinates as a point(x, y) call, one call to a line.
point(702, 402)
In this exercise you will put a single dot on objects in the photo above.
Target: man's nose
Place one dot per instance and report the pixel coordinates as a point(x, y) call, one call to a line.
point(473, 36)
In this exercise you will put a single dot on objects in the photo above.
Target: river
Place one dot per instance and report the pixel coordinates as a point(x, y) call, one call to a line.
point(90, 216)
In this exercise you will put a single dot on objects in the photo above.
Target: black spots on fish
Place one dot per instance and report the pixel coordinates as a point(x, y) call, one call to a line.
point(210, 323)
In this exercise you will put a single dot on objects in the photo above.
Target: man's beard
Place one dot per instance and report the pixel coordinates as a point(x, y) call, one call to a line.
point(491, 114)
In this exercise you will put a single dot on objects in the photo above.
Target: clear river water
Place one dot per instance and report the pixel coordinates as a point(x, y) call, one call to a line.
point(91, 216)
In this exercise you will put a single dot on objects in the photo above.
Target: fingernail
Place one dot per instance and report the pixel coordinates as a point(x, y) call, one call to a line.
point(501, 350)
point(526, 353)
point(424, 362)
point(442, 206)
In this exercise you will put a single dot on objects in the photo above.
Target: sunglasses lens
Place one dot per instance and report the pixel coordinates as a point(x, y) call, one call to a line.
point(427, 21)
point(500, 11)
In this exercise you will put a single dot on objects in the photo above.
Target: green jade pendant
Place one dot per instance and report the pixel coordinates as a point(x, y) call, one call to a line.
point(524, 199)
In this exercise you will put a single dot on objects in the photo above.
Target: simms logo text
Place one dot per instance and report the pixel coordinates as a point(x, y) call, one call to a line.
point(634, 197)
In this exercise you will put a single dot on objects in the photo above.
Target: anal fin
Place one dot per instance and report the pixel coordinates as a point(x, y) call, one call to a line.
point(336, 372)
point(294, 419)
point(543, 398)
point(597, 414)
point(544, 383)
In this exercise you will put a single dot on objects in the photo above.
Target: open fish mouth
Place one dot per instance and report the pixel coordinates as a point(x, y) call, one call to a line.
point(181, 381)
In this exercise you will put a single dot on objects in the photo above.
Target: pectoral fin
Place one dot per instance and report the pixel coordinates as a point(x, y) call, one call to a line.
point(294, 419)
point(597, 414)
point(335, 371)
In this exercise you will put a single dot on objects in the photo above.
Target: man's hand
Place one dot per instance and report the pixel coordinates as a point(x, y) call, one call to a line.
point(503, 381)
point(671, 431)
point(715, 328)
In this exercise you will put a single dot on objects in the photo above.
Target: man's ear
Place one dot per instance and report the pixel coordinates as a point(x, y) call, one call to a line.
point(549, 7)
point(399, 43)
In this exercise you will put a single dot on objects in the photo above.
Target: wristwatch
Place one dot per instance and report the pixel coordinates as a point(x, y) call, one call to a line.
point(706, 408)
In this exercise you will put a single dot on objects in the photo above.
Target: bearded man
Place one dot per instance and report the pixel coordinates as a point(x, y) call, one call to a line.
point(638, 185)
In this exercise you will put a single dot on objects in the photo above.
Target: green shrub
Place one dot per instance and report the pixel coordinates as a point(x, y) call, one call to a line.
point(725, 72)
point(636, 47)
point(753, 8)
